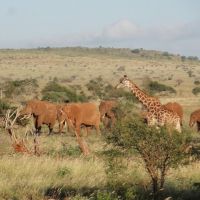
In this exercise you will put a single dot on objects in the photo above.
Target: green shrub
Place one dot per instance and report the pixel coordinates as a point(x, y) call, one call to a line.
point(111, 92)
point(155, 87)
point(194, 58)
point(196, 82)
point(190, 73)
point(135, 51)
point(57, 93)
point(61, 172)
point(105, 195)
point(196, 90)
point(101, 89)
point(158, 149)
point(183, 58)
point(19, 87)
point(65, 151)
point(96, 87)
point(166, 54)
point(4, 106)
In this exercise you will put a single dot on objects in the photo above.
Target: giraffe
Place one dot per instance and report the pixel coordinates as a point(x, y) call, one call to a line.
point(157, 114)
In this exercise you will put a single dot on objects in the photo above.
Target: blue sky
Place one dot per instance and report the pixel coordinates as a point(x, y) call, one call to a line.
point(170, 25)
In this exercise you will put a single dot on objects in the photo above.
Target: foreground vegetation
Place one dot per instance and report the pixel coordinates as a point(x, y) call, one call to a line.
point(108, 173)
point(124, 164)
point(116, 168)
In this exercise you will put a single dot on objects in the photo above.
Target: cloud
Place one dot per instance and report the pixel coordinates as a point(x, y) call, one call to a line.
point(182, 38)
point(123, 29)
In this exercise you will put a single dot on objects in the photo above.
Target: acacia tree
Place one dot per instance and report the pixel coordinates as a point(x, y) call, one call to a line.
point(158, 149)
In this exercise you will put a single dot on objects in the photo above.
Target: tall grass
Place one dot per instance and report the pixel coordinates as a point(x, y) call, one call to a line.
point(22, 176)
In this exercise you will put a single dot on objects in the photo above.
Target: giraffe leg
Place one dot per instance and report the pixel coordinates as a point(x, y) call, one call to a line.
point(178, 126)
point(151, 120)
point(161, 121)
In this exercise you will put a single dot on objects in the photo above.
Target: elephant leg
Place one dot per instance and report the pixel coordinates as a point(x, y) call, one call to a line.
point(97, 128)
point(39, 125)
point(87, 128)
point(70, 124)
point(78, 130)
point(50, 129)
point(111, 115)
point(198, 126)
point(102, 116)
point(38, 130)
point(51, 125)
point(36, 125)
point(61, 125)
point(106, 122)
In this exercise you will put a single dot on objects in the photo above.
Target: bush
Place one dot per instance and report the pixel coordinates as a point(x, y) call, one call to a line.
point(190, 73)
point(196, 82)
point(166, 54)
point(183, 58)
point(65, 151)
point(57, 93)
point(196, 90)
point(135, 51)
point(96, 87)
point(158, 149)
point(155, 87)
point(194, 58)
point(111, 92)
point(103, 90)
point(17, 87)
point(63, 171)
point(4, 106)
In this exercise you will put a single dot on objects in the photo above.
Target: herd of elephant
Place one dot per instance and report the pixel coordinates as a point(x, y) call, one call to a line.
point(74, 114)
point(88, 114)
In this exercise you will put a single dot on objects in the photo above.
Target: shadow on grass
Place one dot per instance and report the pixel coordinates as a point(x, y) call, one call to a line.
point(188, 194)
point(108, 193)
point(121, 192)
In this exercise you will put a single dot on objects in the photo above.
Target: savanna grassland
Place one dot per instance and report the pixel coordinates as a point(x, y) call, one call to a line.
point(61, 171)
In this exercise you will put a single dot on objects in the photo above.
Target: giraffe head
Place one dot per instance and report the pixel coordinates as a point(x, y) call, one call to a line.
point(123, 82)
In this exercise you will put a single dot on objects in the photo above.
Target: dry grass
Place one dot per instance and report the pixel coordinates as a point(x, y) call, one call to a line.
point(24, 176)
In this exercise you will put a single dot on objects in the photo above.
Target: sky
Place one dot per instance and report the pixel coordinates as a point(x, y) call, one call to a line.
point(166, 25)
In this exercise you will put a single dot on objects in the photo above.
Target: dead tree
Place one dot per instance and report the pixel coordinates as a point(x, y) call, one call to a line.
point(19, 145)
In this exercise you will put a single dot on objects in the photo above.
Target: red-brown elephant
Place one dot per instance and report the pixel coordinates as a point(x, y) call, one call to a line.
point(43, 112)
point(195, 119)
point(107, 113)
point(77, 114)
point(177, 108)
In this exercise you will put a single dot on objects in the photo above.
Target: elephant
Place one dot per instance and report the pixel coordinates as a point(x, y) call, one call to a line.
point(43, 113)
point(195, 118)
point(78, 114)
point(106, 112)
point(177, 108)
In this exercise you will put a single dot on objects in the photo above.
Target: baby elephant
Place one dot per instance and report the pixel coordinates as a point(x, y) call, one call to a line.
point(195, 118)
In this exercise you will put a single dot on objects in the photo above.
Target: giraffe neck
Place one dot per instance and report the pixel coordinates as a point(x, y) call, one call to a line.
point(148, 101)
